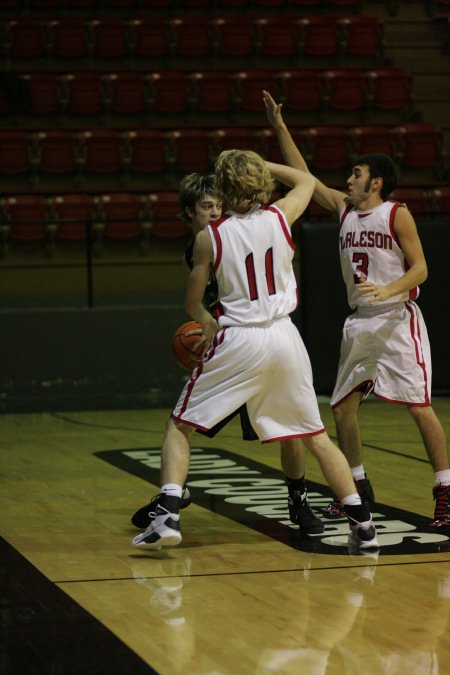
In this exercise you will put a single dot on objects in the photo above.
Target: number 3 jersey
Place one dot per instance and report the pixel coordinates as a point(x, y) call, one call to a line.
point(253, 255)
point(370, 250)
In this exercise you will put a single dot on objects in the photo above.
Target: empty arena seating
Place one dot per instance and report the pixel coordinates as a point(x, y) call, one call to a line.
point(72, 215)
point(135, 98)
point(180, 41)
point(344, 90)
point(26, 218)
point(163, 208)
point(122, 215)
point(390, 89)
point(420, 146)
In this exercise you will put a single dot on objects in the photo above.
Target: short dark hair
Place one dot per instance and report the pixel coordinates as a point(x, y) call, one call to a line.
point(194, 187)
point(381, 166)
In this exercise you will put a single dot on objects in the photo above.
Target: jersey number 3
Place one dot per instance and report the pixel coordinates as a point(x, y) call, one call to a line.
point(362, 266)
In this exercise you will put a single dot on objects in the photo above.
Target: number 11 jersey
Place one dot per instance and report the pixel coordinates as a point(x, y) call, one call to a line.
point(253, 255)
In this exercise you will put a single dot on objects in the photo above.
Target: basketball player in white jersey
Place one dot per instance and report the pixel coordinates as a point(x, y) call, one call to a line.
point(256, 355)
point(385, 347)
point(200, 205)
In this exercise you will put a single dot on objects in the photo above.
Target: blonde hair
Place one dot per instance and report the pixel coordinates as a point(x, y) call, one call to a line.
point(243, 179)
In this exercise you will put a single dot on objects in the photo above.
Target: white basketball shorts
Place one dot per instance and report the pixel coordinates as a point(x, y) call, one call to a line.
point(268, 368)
point(388, 350)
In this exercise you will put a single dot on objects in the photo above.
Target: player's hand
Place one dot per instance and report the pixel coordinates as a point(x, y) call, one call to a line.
point(210, 328)
point(373, 292)
point(273, 110)
point(201, 340)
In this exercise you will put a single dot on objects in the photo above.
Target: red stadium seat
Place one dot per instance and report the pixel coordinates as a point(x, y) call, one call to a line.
point(164, 208)
point(344, 89)
point(149, 37)
point(190, 150)
point(101, 151)
point(168, 92)
point(235, 37)
point(123, 215)
point(363, 36)
point(72, 214)
point(390, 89)
point(28, 217)
point(25, 38)
point(146, 151)
point(327, 147)
point(192, 36)
point(249, 87)
point(421, 146)
point(277, 36)
point(318, 36)
point(372, 138)
point(45, 92)
point(211, 91)
point(416, 199)
point(17, 154)
point(68, 38)
point(83, 93)
point(126, 93)
point(300, 90)
point(57, 151)
point(109, 38)
point(269, 146)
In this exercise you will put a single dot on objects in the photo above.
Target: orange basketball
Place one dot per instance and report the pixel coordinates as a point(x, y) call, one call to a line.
point(183, 345)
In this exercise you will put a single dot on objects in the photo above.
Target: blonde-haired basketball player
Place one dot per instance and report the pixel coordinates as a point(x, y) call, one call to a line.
point(385, 345)
point(256, 355)
point(200, 206)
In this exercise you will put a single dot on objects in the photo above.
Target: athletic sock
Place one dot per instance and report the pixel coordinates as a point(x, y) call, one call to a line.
point(172, 490)
point(358, 472)
point(351, 500)
point(442, 477)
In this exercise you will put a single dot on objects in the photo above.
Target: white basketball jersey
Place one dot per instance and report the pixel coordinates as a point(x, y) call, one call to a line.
point(370, 249)
point(253, 255)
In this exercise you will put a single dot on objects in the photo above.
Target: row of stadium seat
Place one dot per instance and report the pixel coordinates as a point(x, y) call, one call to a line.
point(191, 37)
point(392, 6)
point(225, 93)
point(143, 151)
point(73, 217)
point(174, 5)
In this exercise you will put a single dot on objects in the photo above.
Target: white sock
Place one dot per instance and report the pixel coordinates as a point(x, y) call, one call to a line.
point(172, 490)
point(351, 500)
point(442, 477)
point(355, 500)
point(358, 472)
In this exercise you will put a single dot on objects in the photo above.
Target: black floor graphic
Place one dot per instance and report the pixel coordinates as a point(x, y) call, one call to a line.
point(45, 632)
point(255, 495)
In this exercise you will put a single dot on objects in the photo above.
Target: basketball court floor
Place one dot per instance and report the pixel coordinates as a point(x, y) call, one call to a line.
point(244, 594)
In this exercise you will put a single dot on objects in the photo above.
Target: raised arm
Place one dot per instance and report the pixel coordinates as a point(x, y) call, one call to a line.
point(331, 199)
point(302, 186)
